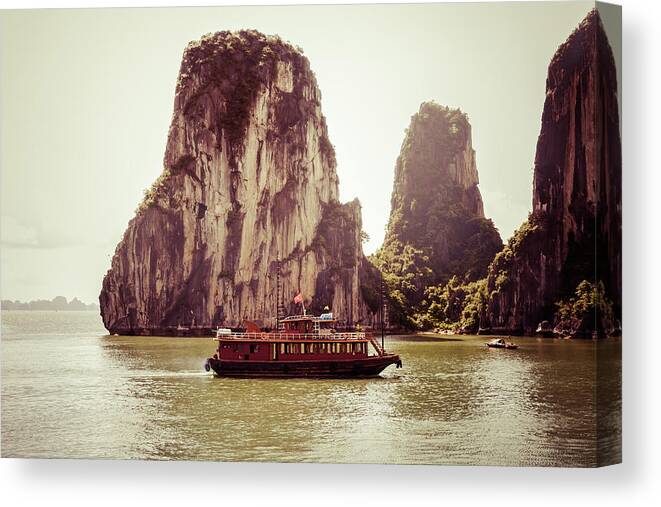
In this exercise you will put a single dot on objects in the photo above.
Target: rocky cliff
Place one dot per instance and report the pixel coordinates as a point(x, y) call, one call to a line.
point(249, 179)
point(437, 227)
point(574, 232)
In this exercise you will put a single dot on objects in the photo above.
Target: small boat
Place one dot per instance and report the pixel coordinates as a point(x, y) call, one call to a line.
point(500, 343)
point(301, 346)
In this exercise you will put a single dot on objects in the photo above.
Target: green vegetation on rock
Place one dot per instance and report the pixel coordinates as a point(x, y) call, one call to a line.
point(588, 311)
point(239, 64)
point(455, 306)
point(151, 194)
point(437, 232)
point(501, 269)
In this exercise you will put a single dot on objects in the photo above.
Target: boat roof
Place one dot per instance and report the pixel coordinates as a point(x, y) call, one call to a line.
point(324, 317)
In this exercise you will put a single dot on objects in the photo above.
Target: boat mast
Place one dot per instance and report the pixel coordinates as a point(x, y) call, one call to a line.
point(383, 314)
point(277, 295)
point(280, 310)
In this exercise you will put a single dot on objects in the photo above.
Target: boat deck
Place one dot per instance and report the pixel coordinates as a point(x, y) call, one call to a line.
point(280, 336)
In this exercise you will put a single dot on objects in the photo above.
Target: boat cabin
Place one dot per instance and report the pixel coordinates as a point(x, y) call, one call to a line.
point(262, 350)
point(301, 338)
point(309, 324)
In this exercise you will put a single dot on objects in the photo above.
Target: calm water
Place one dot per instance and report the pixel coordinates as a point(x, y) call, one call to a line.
point(69, 390)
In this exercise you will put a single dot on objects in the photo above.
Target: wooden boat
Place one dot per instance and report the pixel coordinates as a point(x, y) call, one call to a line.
point(500, 343)
point(305, 346)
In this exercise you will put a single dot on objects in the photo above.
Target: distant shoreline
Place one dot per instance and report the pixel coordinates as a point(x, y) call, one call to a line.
point(47, 310)
point(57, 304)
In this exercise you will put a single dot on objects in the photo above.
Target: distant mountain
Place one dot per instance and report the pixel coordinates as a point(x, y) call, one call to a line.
point(58, 303)
point(437, 230)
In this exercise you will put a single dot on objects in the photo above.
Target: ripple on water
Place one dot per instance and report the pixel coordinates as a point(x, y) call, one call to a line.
point(454, 402)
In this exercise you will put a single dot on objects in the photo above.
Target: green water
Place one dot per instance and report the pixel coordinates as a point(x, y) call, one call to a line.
point(69, 390)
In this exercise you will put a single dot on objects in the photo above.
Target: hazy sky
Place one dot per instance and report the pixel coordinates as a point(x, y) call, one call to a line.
point(87, 98)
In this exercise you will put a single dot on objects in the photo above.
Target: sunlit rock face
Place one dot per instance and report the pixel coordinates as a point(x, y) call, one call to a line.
point(249, 180)
point(574, 232)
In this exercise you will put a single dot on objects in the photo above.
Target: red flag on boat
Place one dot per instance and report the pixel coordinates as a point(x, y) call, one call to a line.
point(298, 298)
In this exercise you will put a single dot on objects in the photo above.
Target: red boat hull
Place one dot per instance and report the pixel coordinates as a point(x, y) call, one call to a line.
point(339, 368)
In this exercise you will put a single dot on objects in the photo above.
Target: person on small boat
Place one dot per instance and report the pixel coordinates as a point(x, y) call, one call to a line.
point(501, 343)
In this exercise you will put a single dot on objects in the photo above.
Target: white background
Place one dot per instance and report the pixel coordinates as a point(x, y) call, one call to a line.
point(636, 482)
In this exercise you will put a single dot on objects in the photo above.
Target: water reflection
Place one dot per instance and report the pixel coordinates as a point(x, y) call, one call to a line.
point(455, 401)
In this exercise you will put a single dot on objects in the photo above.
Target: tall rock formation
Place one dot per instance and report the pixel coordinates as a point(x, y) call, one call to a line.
point(574, 232)
point(249, 180)
point(437, 227)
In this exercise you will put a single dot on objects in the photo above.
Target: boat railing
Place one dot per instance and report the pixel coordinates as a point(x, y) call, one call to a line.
point(291, 336)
